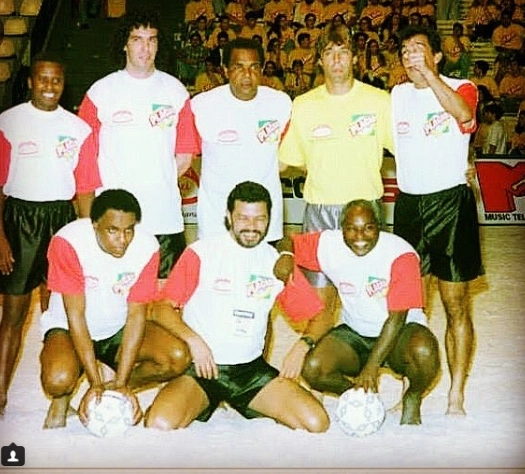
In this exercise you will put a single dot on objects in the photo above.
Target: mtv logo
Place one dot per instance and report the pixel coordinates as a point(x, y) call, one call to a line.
point(13, 455)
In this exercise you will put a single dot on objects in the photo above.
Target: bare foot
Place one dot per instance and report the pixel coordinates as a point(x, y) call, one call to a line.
point(455, 405)
point(411, 409)
point(57, 413)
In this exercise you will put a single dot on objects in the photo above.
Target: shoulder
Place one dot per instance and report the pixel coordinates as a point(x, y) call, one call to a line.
point(145, 241)
point(394, 244)
point(7, 116)
point(217, 94)
point(75, 231)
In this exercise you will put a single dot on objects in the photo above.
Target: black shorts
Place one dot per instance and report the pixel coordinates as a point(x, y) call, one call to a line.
point(443, 228)
point(29, 227)
point(106, 350)
point(362, 345)
point(237, 385)
point(171, 248)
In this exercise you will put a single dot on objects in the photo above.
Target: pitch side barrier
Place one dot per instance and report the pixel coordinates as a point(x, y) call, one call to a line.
point(499, 188)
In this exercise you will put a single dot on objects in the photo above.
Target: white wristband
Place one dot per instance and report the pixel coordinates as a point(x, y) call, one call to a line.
point(285, 252)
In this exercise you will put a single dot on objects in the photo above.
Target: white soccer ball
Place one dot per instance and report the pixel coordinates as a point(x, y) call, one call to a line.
point(359, 413)
point(111, 417)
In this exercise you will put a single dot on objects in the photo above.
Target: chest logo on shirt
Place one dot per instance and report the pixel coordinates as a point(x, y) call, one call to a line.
point(437, 123)
point(363, 125)
point(322, 131)
point(403, 128)
point(223, 285)
point(347, 289)
point(162, 116)
point(67, 147)
point(27, 148)
point(91, 282)
point(228, 136)
point(376, 287)
point(259, 287)
point(123, 283)
point(122, 116)
point(268, 131)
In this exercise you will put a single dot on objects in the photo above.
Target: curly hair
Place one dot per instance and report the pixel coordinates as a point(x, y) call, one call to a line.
point(144, 18)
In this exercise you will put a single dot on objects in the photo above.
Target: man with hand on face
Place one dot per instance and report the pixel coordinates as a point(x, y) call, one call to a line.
point(217, 299)
point(139, 117)
point(378, 281)
point(433, 117)
point(42, 168)
point(240, 145)
point(103, 273)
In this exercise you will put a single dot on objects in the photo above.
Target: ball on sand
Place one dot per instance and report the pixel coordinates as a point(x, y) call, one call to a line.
point(111, 417)
point(359, 413)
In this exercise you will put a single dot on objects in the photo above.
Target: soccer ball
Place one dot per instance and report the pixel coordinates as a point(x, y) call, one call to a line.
point(359, 413)
point(111, 417)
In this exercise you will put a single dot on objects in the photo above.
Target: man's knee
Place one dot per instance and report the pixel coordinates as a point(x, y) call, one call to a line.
point(312, 370)
point(179, 357)
point(59, 380)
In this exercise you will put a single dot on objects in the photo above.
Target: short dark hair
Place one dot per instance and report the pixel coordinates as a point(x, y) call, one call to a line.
point(494, 108)
point(434, 40)
point(248, 191)
point(47, 57)
point(482, 65)
point(310, 15)
point(117, 199)
point(360, 203)
point(242, 43)
point(141, 18)
point(303, 36)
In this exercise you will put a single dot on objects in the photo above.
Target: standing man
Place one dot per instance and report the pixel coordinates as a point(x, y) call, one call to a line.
point(217, 299)
point(240, 126)
point(378, 280)
point(41, 170)
point(337, 134)
point(103, 273)
point(139, 116)
point(433, 117)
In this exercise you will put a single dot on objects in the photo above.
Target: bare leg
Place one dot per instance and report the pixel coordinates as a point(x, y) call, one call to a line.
point(288, 403)
point(176, 405)
point(459, 341)
point(61, 370)
point(162, 356)
point(14, 315)
point(44, 296)
point(416, 357)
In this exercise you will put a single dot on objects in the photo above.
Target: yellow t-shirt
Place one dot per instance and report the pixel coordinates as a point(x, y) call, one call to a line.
point(339, 139)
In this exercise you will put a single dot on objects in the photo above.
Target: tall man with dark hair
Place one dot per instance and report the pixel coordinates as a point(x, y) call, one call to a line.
point(433, 117)
point(243, 144)
point(41, 170)
point(103, 274)
point(139, 117)
point(217, 299)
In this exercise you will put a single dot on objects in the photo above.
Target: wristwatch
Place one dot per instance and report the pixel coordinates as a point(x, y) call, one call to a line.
point(309, 342)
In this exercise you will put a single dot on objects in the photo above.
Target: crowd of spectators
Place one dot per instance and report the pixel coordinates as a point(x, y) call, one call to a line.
point(288, 31)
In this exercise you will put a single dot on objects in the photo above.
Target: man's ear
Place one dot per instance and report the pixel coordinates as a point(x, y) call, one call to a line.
point(438, 57)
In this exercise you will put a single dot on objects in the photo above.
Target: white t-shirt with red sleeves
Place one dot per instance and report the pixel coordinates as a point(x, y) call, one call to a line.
point(227, 292)
point(385, 279)
point(239, 143)
point(39, 154)
point(138, 128)
point(431, 148)
point(77, 265)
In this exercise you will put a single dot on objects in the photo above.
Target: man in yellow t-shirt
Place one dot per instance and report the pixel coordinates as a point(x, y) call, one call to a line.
point(337, 134)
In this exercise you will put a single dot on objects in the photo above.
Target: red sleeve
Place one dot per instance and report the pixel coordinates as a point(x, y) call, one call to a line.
point(305, 249)
point(405, 290)
point(183, 279)
point(188, 139)
point(87, 176)
point(469, 93)
point(145, 288)
point(5, 158)
point(299, 300)
point(65, 273)
point(88, 112)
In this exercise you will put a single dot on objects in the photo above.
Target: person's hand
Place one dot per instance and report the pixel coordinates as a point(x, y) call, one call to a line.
point(416, 59)
point(283, 268)
point(6, 257)
point(470, 175)
point(137, 411)
point(93, 393)
point(202, 358)
point(368, 379)
point(294, 360)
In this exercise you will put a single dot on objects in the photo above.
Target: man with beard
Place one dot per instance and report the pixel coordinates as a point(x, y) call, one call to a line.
point(217, 299)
